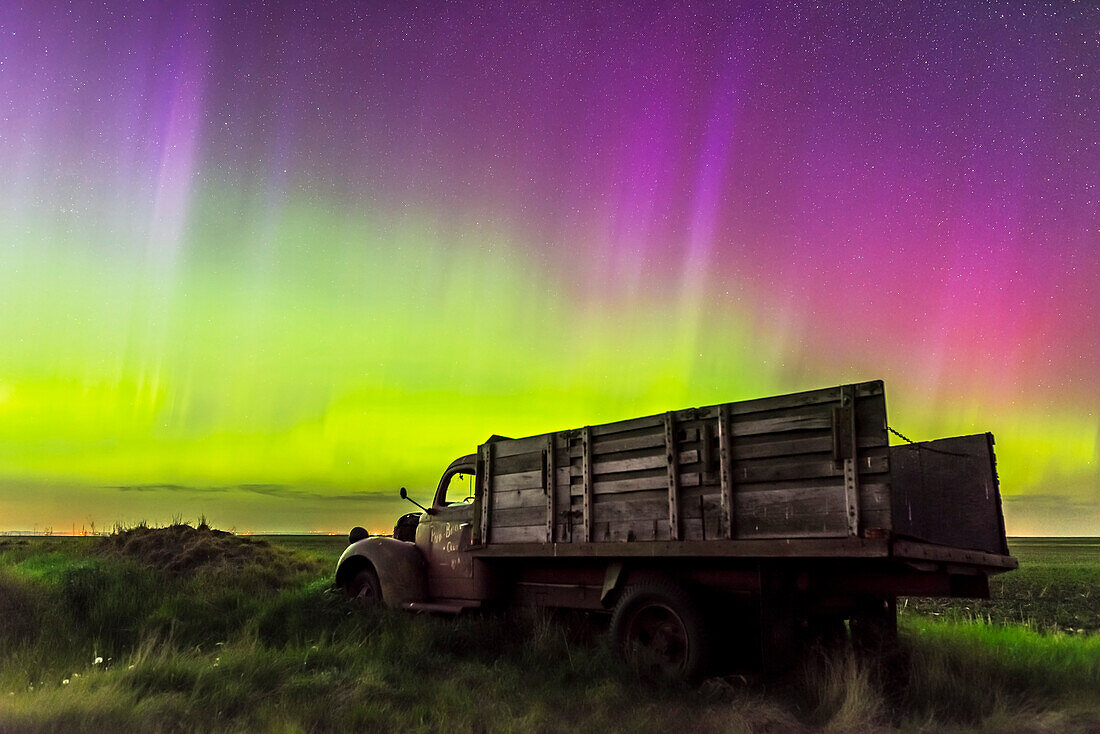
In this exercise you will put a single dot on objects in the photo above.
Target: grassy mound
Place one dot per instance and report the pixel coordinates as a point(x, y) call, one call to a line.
point(183, 549)
point(64, 599)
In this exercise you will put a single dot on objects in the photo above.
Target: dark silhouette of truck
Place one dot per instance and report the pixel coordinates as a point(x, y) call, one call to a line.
point(728, 534)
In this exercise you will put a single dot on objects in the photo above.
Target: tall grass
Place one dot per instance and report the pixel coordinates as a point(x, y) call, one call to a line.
point(230, 647)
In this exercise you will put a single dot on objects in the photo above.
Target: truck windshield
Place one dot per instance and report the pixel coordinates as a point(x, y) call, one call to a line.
point(460, 489)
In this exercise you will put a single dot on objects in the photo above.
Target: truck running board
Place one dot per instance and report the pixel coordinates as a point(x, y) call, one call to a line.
point(441, 606)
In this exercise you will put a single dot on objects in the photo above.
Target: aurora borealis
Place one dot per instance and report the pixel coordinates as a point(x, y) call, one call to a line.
point(268, 262)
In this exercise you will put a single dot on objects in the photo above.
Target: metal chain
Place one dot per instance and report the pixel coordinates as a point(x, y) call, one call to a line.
point(920, 446)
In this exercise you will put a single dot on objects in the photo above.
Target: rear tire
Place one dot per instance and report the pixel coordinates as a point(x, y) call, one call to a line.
point(659, 628)
point(365, 589)
point(875, 626)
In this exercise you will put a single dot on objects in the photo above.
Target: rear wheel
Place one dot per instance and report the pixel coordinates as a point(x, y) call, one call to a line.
point(875, 625)
point(365, 589)
point(659, 628)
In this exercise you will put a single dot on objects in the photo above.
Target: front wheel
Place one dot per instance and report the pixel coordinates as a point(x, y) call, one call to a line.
point(658, 627)
point(365, 589)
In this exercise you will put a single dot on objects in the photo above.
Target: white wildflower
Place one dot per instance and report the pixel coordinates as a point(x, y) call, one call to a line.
point(98, 660)
point(65, 682)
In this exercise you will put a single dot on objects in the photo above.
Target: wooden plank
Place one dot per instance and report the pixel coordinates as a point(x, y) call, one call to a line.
point(725, 470)
point(630, 532)
point(520, 480)
point(586, 482)
point(851, 472)
point(526, 462)
point(946, 492)
point(600, 465)
point(796, 400)
point(781, 424)
point(653, 480)
point(871, 420)
point(533, 515)
point(516, 463)
point(792, 513)
point(507, 499)
point(766, 470)
point(606, 429)
point(531, 534)
point(486, 489)
point(651, 438)
point(563, 503)
point(931, 552)
point(551, 488)
point(803, 512)
point(511, 446)
point(760, 548)
point(767, 445)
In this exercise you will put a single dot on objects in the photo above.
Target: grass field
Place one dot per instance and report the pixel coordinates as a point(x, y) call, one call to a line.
point(198, 632)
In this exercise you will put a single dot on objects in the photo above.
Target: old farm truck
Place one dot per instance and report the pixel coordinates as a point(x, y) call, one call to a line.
point(737, 530)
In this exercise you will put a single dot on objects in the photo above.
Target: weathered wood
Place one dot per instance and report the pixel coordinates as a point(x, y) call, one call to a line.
point(766, 470)
point(931, 552)
point(601, 465)
point(946, 492)
point(851, 472)
point(519, 463)
point(647, 439)
point(520, 480)
point(526, 445)
point(586, 480)
point(795, 400)
point(531, 535)
point(759, 548)
point(725, 469)
point(606, 429)
point(507, 499)
point(551, 489)
point(818, 441)
point(635, 483)
point(533, 515)
point(781, 424)
point(486, 498)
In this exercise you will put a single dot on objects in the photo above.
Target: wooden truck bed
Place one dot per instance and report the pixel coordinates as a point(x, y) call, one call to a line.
point(802, 475)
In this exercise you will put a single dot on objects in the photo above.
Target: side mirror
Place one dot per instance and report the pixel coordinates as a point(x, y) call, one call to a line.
point(405, 496)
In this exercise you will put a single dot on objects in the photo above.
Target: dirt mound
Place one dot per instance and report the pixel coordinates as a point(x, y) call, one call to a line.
point(182, 549)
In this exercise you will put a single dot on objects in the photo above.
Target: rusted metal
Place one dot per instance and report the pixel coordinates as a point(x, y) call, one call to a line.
point(399, 565)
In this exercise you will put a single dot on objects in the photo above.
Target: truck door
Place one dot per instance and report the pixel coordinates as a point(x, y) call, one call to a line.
point(447, 535)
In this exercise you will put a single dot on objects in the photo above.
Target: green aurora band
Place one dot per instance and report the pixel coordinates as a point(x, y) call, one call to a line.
point(313, 360)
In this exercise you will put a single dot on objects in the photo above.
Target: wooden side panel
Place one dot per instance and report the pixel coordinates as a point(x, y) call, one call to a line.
point(946, 492)
point(758, 469)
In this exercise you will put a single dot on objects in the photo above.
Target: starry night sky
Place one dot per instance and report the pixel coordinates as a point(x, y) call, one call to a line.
point(270, 261)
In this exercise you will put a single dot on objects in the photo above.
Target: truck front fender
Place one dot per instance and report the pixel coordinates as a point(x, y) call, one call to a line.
point(399, 565)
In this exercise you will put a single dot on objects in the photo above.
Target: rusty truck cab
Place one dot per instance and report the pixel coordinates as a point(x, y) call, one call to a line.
point(445, 534)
